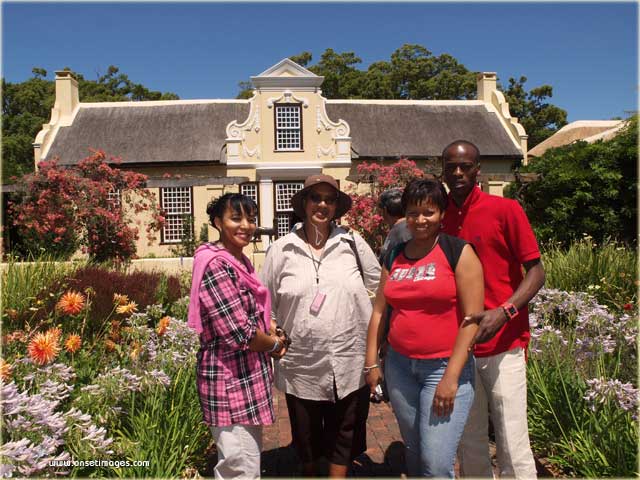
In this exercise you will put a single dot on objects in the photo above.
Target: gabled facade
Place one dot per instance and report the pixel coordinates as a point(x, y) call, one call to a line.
point(193, 150)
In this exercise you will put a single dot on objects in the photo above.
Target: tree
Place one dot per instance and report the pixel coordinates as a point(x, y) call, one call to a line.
point(26, 106)
point(58, 210)
point(584, 189)
point(539, 119)
point(363, 215)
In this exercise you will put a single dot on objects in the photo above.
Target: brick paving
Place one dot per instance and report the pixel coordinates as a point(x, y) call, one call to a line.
point(384, 456)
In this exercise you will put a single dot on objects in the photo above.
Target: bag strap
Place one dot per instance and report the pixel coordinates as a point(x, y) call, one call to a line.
point(393, 253)
point(354, 248)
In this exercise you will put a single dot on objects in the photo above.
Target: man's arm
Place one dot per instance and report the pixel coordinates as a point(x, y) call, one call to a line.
point(490, 321)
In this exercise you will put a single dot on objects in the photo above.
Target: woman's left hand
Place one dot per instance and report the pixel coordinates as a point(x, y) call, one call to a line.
point(445, 396)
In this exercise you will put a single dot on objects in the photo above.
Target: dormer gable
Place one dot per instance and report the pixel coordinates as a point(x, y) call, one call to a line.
point(286, 74)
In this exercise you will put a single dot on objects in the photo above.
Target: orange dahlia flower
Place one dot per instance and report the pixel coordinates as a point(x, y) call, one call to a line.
point(127, 309)
point(73, 343)
point(5, 369)
point(109, 345)
point(135, 351)
point(43, 348)
point(56, 332)
point(71, 303)
point(119, 299)
point(163, 324)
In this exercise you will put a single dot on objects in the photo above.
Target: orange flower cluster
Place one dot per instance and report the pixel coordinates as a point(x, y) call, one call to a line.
point(127, 309)
point(44, 348)
point(5, 370)
point(119, 299)
point(163, 324)
point(71, 303)
point(73, 343)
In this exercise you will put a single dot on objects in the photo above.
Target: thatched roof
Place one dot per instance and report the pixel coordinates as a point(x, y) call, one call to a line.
point(156, 132)
point(420, 129)
point(195, 131)
point(586, 130)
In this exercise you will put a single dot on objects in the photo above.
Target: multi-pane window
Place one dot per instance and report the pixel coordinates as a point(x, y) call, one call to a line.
point(250, 189)
point(288, 127)
point(176, 202)
point(284, 212)
point(113, 198)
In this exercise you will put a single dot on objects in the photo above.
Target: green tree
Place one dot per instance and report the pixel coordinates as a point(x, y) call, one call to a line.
point(584, 189)
point(26, 106)
point(539, 118)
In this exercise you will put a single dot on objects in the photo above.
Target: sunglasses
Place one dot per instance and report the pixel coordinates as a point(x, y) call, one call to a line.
point(464, 167)
point(317, 198)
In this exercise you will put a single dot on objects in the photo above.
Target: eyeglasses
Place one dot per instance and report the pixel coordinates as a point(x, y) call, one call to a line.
point(317, 198)
point(464, 167)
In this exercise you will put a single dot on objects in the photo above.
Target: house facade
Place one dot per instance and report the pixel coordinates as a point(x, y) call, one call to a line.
point(264, 147)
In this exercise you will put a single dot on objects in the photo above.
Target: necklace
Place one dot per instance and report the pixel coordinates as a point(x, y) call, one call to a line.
point(316, 262)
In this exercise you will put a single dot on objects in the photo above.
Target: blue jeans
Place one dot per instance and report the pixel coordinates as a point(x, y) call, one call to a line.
point(431, 441)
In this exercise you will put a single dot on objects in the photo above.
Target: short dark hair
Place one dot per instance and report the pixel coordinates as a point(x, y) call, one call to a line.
point(238, 202)
point(391, 202)
point(461, 142)
point(424, 190)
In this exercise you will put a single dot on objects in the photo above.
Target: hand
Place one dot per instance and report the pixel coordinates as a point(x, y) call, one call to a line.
point(278, 354)
point(445, 397)
point(489, 322)
point(373, 378)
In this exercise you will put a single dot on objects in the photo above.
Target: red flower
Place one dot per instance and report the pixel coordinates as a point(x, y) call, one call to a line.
point(628, 306)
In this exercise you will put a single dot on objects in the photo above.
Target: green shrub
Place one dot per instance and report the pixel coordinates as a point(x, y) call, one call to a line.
point(584, 188)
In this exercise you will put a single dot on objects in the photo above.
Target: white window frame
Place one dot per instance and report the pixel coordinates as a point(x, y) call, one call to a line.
point(114, 197)
point(288, 127)
point(176, 202)
point(282, 193)
point(251, 190)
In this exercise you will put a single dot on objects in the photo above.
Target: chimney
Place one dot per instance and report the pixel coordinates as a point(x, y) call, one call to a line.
point(67, 98)
point(486, 85)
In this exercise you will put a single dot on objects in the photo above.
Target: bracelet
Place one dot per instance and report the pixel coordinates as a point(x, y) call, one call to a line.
point(368, 369)
point(276, 346)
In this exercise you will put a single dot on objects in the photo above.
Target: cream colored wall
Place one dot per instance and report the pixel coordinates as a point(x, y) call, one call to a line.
point(253, 139)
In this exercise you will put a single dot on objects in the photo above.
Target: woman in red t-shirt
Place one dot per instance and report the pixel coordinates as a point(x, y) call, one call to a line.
point(432, 283)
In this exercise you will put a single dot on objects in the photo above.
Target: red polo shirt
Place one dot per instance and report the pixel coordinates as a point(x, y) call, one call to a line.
point(500, 231)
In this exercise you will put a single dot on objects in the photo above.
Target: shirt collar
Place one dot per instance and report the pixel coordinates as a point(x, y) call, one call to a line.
point(473, 196)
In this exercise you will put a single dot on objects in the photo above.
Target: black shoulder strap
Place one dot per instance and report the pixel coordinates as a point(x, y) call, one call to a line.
point(393, 253)
point(452, 248)
point(353, 246)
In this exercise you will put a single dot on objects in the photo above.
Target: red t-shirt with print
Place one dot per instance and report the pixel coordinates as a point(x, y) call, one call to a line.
point(425, 317)
point(501, 234)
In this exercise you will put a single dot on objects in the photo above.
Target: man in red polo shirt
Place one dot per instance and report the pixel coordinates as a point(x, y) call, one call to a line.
point(499, 230)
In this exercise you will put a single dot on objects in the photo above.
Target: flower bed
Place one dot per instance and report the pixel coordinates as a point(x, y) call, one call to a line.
point(112, 390)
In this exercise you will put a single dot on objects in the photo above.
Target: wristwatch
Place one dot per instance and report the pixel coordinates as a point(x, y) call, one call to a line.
point(510, 310)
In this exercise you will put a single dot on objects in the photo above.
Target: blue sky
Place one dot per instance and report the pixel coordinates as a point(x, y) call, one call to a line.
point(588, 52)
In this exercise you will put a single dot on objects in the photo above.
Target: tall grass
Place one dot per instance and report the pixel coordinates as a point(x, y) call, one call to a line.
point(22, 281)
point(608, 271)
point(165, 428)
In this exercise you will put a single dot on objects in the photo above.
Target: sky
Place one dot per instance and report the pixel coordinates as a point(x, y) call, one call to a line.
point(588, 52)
